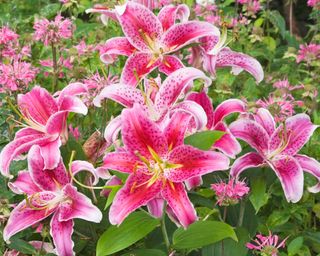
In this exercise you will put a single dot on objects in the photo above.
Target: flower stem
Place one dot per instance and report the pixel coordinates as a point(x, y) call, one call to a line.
point(163, 228)
point(241, 214)
point(55, 68)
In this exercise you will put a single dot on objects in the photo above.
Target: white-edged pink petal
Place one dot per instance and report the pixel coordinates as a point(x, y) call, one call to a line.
point(228, 107)
point(170, 13)
point(24, 184)
point(249, 160)
point(266, 120)
point(155, 207)
point(193, 182)
point(169, 64)
point(80, 166)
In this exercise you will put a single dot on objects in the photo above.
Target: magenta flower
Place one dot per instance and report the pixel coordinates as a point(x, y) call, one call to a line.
point(8, 42)
point(158, 163)
point(52, 32)
point(308, 53)
point(50, 192)
point(45, 120)
point(150, 41)
point(277, 148)
point(16, 76)
point(158, 101)
point(267, 245)
point(314, 3)
point(230, 193)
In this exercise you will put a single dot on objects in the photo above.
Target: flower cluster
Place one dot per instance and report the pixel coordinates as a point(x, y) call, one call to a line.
point(308, 53)
point(144, 142)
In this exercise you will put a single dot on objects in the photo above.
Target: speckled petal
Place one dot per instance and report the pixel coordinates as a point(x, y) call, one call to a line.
point(121, 161)
point(185, 33)
point(155, 207)
point(290, 175)
point(135, 193)
point(139, 133)
point(194, 162)
point(299, 129)
point(239, 61)
point(205, 102)
point(265, 119)
point(170, 63)
point(137, 66)
point(123, 94)
point(193, 182)
point(228, 107)
point(177, 198)
point(170, 13)
point(312, 166)
point(252, 133)
point(138, 22)
point(249, 160)
point(114, 47)
point(24, 184)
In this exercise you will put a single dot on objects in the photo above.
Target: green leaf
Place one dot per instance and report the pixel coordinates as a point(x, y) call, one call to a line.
point(203, 140)
point(202, 233)
point(295, 246)
point(111, 196)
point(134, 228)
point(278, 21)
point(22, 246)
point(145, 252)
point(258, 196)
point(50, 10)
point(278, 218)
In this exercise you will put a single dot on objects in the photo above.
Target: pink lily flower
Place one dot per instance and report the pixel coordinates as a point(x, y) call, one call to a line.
point(45, 124)
point(150, 41)
point(227, 144)
point(158, 163)
point(277, 148)
point(158, 101)
point(50, 192)
point(214, 54)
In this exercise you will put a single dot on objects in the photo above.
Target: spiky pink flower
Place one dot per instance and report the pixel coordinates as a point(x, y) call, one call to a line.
point(52, 32)
point(8, 42)
point(308, 53)
point(267, 245)
point(16, 76)
point(74, 131)
point(285, 85)
point(230, 193)
point(314, 3)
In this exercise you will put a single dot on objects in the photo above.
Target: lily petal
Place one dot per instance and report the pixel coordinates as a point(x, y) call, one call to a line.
point(37, 105)
point(239, 61)
point(137, 66)
point(78, 207)
point(112, 130)
point(311, 166)
point(252, 133)
point(79, 166)
point(175, 84)
point(51, 154)
point(265, 119)
point(176, 129)
point(228, 107)
point(18, 147)
point(24, 184)
point(290, 175)
point(170, 13)
point(193, 182)
point(123, 94)
point(114, 47)
point(227, 144)
point(195, 110)
point(140, 134)
point(155, 207)
point(105, 13)
point(140, 25)
point(170, 63)
point(299, 129)
point(177, 198)
point(249, 160)
point(183, 34)
point(135, 193)
point(205, 102)
point(194, 162)
point(73, 104)
point(61, 232)
point(120, 161)
point(23, 217)
point(48, 180)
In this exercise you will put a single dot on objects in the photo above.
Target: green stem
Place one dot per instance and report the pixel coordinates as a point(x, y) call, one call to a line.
point(55, 68)
point(241, 214)
point(163, 228)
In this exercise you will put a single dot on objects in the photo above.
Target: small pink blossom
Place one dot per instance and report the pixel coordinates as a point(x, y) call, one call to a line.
point(8, 42)
point(267, 245)
point(75, 132)
point(83, 48)
point(284, 84)
point(314, 3)
point(16, 76)
point(230, 193)
point(52, 32)
point(308, 53)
